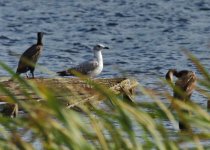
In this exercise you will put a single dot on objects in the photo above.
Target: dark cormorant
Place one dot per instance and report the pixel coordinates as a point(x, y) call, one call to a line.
point(90, 68)
point(184, 86)
point(30, 57)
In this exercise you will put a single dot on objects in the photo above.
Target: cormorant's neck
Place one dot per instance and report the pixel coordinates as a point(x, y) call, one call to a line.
point(39, 40)
point(170, 74)
point(176, 74)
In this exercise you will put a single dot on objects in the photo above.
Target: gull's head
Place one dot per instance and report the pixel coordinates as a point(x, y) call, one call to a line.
point(99, 47)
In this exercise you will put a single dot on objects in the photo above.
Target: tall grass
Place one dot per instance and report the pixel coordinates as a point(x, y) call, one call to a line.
point(123, 126)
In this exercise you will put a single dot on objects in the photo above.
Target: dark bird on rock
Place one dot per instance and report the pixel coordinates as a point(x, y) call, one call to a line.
point(90, 68)
point(183, 87)
point(30, 57)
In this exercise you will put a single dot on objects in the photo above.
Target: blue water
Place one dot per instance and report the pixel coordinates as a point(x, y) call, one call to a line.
point(145, 37)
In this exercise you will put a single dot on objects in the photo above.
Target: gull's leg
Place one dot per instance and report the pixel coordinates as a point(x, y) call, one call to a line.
point(27, 75)
point(32, 73)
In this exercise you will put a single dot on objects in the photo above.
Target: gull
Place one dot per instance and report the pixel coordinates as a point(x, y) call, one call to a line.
point(30, 57)
point(90, 68)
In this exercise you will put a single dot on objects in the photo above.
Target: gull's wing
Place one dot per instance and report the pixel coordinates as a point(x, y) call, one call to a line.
point(84, 68)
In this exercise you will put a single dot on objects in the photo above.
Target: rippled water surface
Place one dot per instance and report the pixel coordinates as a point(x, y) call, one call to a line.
point(145, 37)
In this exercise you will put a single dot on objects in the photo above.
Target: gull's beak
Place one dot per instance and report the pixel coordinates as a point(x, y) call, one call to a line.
point(106, 47)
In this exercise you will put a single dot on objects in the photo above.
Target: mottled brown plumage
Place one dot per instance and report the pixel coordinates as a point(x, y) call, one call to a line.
point(30, 57)
point(184, 86)
point(186, 81)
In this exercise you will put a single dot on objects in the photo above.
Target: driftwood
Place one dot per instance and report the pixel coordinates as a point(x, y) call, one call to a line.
point(70, 92)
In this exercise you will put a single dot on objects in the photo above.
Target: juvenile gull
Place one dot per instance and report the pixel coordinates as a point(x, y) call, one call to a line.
point(30, 57)
point(90, 68)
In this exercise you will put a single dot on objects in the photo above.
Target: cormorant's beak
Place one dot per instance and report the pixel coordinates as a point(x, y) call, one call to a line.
point(106, 47)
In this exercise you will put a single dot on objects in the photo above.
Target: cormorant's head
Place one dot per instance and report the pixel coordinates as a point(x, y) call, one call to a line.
point(40, 35)
point(100, 47)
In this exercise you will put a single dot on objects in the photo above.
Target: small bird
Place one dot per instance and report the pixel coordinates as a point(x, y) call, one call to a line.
point(90, 68)
point(186, 82)
point(30, 57)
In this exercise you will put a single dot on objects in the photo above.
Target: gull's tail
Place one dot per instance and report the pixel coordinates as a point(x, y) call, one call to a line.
point(63, 73)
